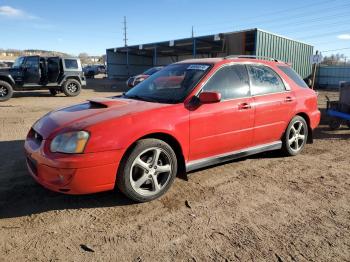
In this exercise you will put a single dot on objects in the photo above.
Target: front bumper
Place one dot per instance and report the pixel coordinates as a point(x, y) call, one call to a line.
point(72, 174)
point(83, 82)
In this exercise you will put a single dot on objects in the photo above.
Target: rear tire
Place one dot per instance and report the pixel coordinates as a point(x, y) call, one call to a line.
point(71, 87)
point(6, 91)
point(334, 123)
point(147, 171)
point(295, 136)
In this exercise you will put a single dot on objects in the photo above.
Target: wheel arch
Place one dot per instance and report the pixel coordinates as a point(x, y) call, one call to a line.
point(8, 80)
point(167, 138)
point(66, 78)
point(310, 131)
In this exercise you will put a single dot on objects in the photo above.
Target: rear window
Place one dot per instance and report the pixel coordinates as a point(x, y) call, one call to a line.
point(293, 75)
point(71, 63)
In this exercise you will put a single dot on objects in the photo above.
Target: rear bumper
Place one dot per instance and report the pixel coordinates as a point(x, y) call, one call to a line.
point(315, 118)
point(72, 174)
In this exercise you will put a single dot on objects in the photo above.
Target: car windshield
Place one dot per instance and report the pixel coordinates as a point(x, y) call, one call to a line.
point(151, 71)
point(171, 84)
point(18, 62)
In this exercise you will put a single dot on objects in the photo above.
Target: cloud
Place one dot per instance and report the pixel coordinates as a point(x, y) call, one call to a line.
point(344, 37)
point(10, 12)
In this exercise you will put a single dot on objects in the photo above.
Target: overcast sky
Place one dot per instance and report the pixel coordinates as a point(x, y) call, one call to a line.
point(92, 26)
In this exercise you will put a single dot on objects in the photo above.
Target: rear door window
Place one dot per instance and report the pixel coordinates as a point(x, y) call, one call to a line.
point(71, 63)
point(264, 80)
point(230, 81)
point(293, 75)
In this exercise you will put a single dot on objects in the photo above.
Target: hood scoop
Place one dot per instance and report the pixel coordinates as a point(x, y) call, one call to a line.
point(105, 102)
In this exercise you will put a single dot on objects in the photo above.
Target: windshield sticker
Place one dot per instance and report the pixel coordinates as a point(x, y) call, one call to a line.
point(198, 67)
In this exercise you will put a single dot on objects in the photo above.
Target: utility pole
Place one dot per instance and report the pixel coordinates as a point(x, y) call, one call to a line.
point(194, 51)
point(126, 45)
point(125, 33)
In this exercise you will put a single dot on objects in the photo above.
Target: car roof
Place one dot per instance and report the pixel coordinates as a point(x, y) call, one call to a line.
point(229, 59)
point(202, 60)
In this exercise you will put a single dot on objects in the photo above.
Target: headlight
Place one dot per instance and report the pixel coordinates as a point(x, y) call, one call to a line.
point(70, 142)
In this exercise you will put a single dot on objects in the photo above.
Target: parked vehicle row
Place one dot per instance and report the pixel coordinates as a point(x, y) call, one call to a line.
point(57, 74)
point(134, 80)
point(189, 115)
point(91, 70)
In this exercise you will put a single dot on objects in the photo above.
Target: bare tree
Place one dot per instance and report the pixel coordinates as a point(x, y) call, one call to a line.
point(335, 59)
point(84, 58)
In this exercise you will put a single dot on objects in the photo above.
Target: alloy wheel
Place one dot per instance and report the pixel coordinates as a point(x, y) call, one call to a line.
point(3, 91)
point(72, 87)
point(151, 171)
point(297, 136)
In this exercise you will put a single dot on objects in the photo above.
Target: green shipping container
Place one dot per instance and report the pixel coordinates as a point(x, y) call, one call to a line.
point(294, 52)
point(132, 60)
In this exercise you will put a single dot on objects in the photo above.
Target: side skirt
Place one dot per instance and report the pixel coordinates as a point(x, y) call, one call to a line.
point(197, 164)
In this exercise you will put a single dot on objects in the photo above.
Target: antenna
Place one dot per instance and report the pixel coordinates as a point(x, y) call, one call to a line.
point(192, 32)
point(125, 33)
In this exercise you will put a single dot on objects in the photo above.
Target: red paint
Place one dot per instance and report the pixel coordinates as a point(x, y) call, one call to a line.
point(204, 131)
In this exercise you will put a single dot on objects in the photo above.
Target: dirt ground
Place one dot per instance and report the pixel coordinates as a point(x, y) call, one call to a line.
point(261, 208)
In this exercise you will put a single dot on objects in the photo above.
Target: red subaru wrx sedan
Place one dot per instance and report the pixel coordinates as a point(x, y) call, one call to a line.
point(189, 115)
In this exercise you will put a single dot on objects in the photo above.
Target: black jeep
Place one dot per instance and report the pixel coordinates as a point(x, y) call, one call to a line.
point(57, 74)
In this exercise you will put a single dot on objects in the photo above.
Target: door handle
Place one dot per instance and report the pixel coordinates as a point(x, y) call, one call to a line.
point(288, 99)
point(244, 106)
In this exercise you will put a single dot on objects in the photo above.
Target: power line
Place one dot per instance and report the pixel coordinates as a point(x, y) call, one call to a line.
point(325, 34)
point(339, 49)
point(318, 3)
point(287, 17)
point(318, 25)
point(301, 21)
point(289, 24)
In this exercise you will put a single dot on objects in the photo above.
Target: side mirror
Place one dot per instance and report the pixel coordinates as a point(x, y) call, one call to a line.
point(209, 97)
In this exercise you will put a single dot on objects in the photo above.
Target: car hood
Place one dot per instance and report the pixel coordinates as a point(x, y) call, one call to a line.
point(95, 111)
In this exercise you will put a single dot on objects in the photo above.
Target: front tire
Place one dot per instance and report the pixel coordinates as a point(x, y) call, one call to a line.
point(147, 171)
point(71, 87)
point(6, 91)
point(295, 136)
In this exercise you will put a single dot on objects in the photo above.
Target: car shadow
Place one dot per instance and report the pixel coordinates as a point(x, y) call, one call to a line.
point(20, 195)
point(41, 93)
point(325, 133)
